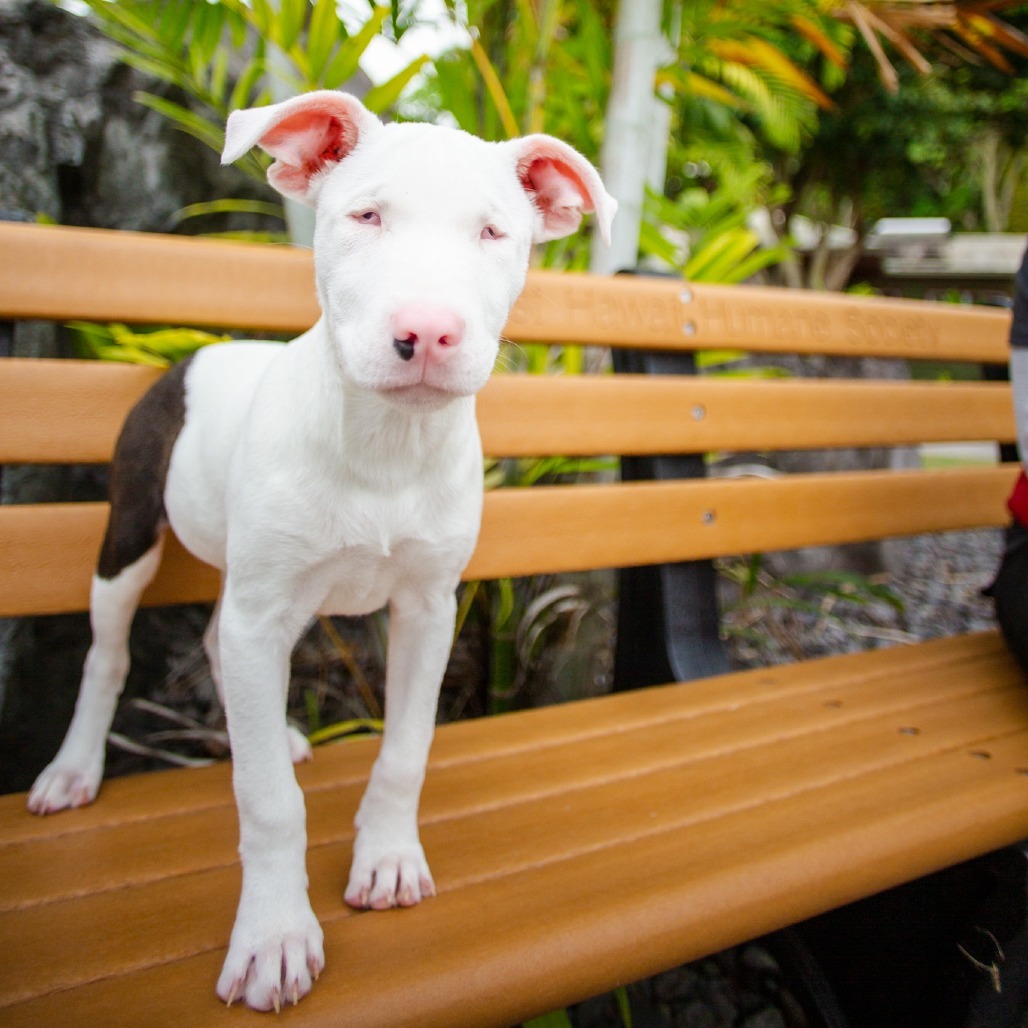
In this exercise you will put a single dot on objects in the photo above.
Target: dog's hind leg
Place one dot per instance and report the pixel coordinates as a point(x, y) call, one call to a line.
point(129, 558)
point(73, 777)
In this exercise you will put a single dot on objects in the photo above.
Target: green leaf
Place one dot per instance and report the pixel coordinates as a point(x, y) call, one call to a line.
point(241, 236)
point(209, 20)
point(455, 85)
point(505, 602)
point(174, 25)
point(757, 261)
point(219, 77)
point(494, 87)
point(262, 16)
point(228, 206)
point(653, 243)
point(289, 23)
point(242, 91)
point(159, 348)
point(467, 601)
point(322, 36)
point(310, 702)
point(185, 119)
point(345, 63)
point(158, 69)
point(357, 725)
point(624, 1007)
point(556, 1019)
point(120, 15)
point(384, 96)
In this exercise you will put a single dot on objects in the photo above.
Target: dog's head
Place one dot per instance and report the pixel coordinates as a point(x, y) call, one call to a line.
point(423, 233)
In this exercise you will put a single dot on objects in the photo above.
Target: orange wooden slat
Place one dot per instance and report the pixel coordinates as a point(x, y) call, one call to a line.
point(54, 411)
point(66, 411)
point(172, 793)
point(531, 416)
point(565, 847)
point(591, 526)
point(518, 829)
point(664, 313)
point(47, 551)
point(154, 279)
point(48, 554)
point(177, 280)
point(185, 842)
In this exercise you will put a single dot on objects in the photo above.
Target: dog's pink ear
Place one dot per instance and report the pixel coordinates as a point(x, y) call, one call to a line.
point(563, 186)
point(306, 135)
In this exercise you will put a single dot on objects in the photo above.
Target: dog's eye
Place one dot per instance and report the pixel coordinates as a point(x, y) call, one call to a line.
point(491, 232)
point(368, 218)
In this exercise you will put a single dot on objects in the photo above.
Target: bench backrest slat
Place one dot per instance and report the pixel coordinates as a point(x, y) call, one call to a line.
point(71, 412)
point(151, 279)
point(658, 522)
point(47, 551)
point(66, 412)
point(61, 274)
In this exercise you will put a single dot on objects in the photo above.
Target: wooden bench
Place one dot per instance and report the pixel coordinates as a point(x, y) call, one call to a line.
point(576, 847)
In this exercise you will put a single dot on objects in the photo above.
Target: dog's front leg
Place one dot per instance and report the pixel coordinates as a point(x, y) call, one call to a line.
point(277, 944)
point(389, 867)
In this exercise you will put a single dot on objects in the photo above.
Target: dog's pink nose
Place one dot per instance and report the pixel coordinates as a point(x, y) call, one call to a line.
point(437, 331)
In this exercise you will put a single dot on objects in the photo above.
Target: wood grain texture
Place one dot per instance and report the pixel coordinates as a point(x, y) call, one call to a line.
point(48, 551)
point(64, 411)
point(154, 279)
point(610, 839)
point(654, 522)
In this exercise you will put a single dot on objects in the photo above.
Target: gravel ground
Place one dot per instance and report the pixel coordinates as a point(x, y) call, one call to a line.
point(806, 607)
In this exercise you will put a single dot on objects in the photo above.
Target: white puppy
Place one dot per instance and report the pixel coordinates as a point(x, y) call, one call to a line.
point(340, 473)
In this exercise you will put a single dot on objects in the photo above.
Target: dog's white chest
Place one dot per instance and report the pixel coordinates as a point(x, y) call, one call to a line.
point(379, 544)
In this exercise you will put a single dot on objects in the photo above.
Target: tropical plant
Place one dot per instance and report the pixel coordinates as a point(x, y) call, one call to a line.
point(705, 234)
point(221, 55)
point(159, 348)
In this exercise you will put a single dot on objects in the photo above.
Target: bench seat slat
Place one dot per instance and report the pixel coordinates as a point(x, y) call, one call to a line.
point(516, 843)
point(71, 412)
point(47, 551)
point(205, 837)
point(144, 798)
point(830, 768)
point(124, 276)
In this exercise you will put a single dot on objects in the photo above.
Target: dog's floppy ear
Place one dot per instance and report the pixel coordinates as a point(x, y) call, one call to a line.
point(563, 186)
point(306, 135)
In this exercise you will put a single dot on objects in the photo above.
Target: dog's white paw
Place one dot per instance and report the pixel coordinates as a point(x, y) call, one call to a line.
point(61, 786)
point(384, 875)
point(299, 746)
point(272, 961)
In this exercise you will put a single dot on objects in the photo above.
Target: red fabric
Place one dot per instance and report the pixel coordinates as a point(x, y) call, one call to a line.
point(1018, 502)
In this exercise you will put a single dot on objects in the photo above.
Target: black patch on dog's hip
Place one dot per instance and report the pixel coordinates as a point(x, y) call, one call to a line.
point(139, 472)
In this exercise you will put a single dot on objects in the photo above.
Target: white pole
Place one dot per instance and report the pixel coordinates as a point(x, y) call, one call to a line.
point(635, 143)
